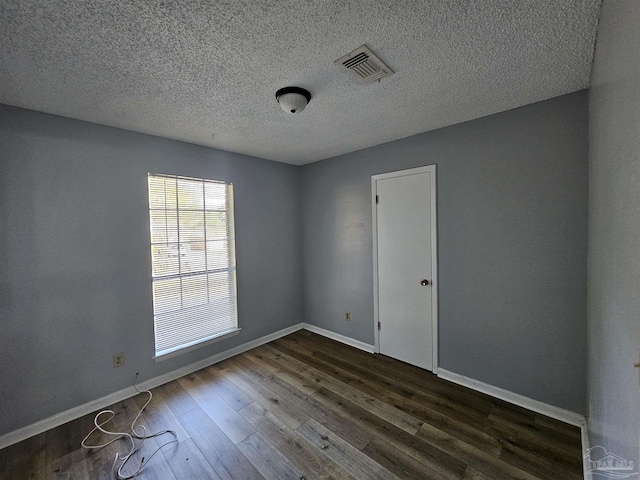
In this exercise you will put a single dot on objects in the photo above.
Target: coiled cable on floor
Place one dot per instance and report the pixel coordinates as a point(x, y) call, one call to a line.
point(138, 432)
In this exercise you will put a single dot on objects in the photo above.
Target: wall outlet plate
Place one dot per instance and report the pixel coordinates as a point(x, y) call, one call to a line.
point(118, 360)
point(347, 316)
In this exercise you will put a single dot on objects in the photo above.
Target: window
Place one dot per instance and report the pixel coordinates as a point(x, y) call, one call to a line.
point(193, 262)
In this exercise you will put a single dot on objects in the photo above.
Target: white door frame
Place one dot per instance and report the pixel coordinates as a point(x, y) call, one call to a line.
point(434, 254)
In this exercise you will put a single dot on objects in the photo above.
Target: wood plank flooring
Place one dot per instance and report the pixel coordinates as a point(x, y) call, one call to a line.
point(306, 407)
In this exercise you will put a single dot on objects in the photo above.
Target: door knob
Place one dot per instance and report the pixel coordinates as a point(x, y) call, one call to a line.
point(424, 282)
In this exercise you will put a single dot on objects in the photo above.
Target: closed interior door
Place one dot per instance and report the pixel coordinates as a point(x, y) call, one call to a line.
point(404, 254)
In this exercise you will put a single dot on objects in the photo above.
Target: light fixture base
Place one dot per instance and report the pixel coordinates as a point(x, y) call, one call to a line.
point(293, 99)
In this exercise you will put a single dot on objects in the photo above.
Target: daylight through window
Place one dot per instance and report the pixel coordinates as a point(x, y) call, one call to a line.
point(193, 261)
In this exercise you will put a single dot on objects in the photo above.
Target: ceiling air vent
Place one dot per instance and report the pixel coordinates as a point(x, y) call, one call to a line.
point(364, 66)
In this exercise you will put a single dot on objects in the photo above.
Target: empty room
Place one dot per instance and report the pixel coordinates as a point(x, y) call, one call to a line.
point(369, 239)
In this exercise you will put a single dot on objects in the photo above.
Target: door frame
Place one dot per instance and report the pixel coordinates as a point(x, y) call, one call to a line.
point(434, 254)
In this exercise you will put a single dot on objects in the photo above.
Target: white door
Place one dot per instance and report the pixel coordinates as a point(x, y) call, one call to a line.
point(404, 234)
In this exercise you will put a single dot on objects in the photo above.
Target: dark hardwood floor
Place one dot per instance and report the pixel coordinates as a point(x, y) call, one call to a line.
point(306, 407)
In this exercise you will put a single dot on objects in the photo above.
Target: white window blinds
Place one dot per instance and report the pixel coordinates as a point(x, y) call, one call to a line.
point(193, 261)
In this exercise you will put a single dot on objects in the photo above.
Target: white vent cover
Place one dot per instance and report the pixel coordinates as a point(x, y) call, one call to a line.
point(364, 66)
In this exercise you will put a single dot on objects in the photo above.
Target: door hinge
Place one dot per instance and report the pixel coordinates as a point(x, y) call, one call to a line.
point(377, 199)
point(379, 326)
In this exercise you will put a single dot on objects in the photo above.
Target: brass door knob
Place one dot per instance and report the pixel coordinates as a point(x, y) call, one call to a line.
point(424, 282)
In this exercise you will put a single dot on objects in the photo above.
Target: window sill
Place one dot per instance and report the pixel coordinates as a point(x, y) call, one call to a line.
point(174, 352)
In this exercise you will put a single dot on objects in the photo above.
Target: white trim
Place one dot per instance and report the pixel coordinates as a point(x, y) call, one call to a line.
point(434, 270)
point(374, 230)
point(340, 338)
point(584, 437)
point(434, 254)
point(77, 412)
point(558, 413)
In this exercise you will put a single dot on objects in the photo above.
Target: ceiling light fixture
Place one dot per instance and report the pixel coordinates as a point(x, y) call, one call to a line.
point(293, 99)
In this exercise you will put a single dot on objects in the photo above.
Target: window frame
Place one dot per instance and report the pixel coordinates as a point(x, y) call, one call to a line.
point(231, 269)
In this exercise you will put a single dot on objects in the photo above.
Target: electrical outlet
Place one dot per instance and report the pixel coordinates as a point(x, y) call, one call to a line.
point(347, 316)
point(118, 360)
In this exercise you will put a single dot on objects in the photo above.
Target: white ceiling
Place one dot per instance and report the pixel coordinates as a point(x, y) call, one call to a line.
point(189, 69)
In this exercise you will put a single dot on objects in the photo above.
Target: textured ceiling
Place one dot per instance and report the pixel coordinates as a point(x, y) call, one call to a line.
point(190, 69)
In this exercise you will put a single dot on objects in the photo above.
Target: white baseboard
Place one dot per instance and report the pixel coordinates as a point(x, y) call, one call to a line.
point(81, 410)
point(558, 413)
point(584, 437)
point(339, 338)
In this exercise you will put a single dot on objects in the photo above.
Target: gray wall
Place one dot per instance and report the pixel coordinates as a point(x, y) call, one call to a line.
point(75, 283)
point(614, 232)
point(512, 233)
